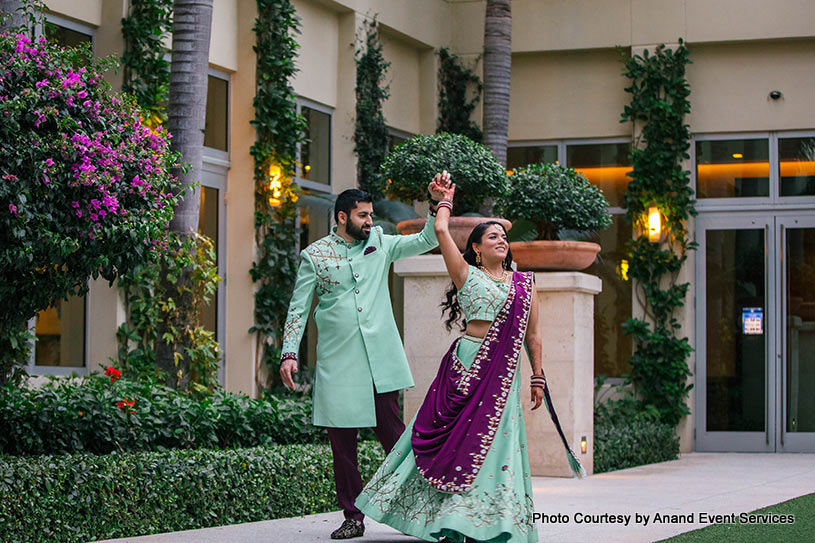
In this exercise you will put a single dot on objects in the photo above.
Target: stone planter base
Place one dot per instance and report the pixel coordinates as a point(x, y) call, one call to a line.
point(460, 227)
point(553, 255)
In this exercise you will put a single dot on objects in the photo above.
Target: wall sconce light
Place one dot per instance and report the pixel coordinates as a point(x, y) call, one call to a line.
point(584, 445)
point(275, 185)
point(654, 225)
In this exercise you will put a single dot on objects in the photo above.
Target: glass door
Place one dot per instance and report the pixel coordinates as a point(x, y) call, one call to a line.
point(796, 371)
point(735, 334)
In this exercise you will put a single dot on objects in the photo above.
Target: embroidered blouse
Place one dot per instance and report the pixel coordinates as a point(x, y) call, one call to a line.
point(480, 297)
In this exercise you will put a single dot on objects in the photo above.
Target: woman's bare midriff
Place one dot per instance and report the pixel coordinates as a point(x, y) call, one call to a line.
point(477, 328)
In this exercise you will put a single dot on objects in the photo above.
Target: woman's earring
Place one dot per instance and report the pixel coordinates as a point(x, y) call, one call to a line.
point(477, 259)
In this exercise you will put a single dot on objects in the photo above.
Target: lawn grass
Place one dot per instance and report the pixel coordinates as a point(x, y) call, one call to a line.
point(803, 508)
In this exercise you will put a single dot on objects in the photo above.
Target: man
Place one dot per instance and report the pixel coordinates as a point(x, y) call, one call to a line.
point(361, 365)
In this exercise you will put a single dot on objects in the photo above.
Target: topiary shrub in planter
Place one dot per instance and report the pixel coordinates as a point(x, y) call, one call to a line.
point(478, 176)
point(473, 168)
point(543, 200)
point(85, 188)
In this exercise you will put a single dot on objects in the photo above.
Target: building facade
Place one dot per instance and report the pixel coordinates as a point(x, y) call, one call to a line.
point(750, 312)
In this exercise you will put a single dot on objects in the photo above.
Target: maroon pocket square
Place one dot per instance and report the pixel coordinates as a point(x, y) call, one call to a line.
point(368, 250)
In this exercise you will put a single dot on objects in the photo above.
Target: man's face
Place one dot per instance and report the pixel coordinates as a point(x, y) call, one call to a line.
point(358, 224)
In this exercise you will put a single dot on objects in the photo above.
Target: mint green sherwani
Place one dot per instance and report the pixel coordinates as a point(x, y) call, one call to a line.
point(358, 344)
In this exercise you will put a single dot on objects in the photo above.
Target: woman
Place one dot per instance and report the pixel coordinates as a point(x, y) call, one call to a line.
point(460, 472)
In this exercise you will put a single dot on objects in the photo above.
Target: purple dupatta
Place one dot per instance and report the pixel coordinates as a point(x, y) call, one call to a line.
point(458, 420)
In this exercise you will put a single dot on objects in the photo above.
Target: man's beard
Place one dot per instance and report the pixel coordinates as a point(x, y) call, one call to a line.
point(356, 232)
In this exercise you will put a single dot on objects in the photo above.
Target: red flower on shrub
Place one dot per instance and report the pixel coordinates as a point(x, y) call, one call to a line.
point(125, 404)
point(113, 373)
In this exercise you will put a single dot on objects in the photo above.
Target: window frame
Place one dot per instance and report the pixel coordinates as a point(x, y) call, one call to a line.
point(306, 183)
point(796, 201)
point(703, 204)
point(774, 200)
point(614, 210)
point(217, 163)
point(217, 156)
point(60, 371)
point(81, 28)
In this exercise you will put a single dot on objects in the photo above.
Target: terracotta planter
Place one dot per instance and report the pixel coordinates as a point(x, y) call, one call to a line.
point(460, 227)
point(553, 255)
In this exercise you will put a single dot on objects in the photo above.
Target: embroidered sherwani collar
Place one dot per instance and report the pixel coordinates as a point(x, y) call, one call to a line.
point(336, 238)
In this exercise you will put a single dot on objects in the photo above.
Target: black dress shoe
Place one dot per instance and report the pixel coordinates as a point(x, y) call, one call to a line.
point(350, 528)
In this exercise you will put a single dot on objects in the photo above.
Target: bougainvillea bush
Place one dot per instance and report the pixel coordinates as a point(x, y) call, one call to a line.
point(85, 189)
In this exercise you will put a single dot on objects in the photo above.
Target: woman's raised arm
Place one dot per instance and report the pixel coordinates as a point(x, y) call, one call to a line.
point(456, 265)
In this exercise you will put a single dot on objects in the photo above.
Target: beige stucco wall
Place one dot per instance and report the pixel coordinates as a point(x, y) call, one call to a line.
point(559, 25)
point(239, 346)
point(319, 52)
point(223, 40)
point(87, 11)
point(731, 83)
point(404, 77)
point(570, 94)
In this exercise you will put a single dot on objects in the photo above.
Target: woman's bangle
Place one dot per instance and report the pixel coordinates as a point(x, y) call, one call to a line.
point(538, 381)
point(445, 203)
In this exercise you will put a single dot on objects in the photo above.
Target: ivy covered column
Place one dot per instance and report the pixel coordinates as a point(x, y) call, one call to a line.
point(659, 266)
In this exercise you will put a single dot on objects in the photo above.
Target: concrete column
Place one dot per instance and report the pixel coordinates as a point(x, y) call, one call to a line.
point(566, 323)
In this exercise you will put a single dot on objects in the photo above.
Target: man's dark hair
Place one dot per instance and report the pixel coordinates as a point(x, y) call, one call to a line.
point(347, 200)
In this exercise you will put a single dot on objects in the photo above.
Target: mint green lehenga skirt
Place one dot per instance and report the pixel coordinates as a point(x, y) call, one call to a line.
point(499, 505)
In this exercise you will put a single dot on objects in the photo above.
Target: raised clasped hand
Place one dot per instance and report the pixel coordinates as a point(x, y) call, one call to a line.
point(440, 188)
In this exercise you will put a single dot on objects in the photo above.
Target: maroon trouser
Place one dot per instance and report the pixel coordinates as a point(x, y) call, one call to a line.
point(348, 481)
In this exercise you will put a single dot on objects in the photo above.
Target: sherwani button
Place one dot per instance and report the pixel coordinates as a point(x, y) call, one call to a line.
point(356, 275)
point(350, 259)
point(356, 291)
point(359, 309)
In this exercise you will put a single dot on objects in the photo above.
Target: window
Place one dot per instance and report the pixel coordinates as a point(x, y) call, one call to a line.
point(67, 33)
point(605, 165)
point(216, 129)
point(519, 156)
point(397, 138)
point(60, 336)
point(60, 330)
point(796, 166)
point(314, 154)
point(734, 168)
point(208, 226)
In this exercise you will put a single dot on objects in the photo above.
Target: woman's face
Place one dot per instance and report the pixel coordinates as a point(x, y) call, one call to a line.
point(493, 246)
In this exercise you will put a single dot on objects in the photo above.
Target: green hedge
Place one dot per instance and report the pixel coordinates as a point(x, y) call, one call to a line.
point(88, 497)
point(82, 415)
point(622, 445)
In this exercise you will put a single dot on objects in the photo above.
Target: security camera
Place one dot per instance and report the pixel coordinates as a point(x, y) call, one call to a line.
point(775, 95)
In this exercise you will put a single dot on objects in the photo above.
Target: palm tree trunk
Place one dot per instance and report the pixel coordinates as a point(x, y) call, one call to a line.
point(497, 62)
point(192, 24)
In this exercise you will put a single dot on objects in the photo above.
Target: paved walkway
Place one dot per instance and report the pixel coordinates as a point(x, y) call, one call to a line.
point(696, 484)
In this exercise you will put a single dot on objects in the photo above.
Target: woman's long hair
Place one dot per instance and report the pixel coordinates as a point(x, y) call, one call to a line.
point(451, 302)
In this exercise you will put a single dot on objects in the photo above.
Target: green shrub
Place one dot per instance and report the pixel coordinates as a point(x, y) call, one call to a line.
point(473, 168)
point(86, 497)
point(554, 198)
point(93, 415)
point(628, 432)
point(625, 445)
point(173, 303)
